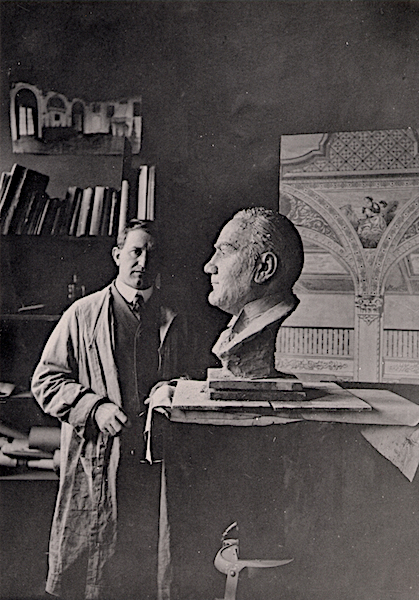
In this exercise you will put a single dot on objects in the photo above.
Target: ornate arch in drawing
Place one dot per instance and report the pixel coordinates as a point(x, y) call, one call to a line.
point(355, 195)
point(400, 239)
point(321, 223)
point(379, 162)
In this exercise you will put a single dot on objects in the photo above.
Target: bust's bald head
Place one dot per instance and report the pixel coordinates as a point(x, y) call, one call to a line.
point(258, 252)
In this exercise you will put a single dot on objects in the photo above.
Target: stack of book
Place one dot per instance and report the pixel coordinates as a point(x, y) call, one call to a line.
point(26, 208)
point(246, 390)
point(20, 191)
point(91, 211)
point(221, 391)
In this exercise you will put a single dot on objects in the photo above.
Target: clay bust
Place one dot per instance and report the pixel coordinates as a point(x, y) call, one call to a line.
point(257, 260)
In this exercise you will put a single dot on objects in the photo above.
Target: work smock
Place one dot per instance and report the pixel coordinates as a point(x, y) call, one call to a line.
point(76, 371)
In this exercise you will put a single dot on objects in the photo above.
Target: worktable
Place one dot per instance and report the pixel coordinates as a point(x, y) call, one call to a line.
point(317, 492)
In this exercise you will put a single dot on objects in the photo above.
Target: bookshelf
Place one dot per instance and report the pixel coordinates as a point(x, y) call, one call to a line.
point(95, 210)
point(52, 251)
point(51, 244)
point(29, 317)
point(35, 273)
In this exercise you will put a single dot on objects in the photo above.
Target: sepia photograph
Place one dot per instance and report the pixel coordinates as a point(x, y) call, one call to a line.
point(209, 299)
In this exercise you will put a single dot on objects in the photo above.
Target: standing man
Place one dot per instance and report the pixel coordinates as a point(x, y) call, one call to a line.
point(97, 368)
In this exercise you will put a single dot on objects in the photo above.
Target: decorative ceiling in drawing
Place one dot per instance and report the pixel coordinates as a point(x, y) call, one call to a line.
point(355, 198)
point(351, 151)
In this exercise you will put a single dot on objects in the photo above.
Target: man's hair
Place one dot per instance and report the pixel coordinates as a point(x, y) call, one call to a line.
point(147, 226)
point(272, 232)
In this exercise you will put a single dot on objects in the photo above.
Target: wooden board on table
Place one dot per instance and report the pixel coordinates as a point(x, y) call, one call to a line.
point(194, 395)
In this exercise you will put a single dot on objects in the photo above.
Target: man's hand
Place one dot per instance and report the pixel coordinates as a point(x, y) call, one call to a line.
point(110, 418)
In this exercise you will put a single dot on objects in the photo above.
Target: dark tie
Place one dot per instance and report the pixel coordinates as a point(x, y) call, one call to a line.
point(138, 306)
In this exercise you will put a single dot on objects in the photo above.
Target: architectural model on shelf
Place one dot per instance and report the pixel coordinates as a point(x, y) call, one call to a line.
point(47, 122)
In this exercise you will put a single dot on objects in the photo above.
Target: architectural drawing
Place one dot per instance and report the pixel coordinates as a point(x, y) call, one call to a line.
point(49, 123)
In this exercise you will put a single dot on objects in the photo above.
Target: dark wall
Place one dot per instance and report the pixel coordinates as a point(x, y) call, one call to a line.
point(221, 82)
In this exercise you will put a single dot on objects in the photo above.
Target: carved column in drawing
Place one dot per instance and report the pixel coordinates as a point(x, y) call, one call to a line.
point(368, 326)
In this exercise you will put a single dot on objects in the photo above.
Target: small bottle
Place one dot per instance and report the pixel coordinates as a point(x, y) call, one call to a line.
point(75, 290)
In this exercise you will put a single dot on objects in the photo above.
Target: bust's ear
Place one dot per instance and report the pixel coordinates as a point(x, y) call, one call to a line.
point(266, 267)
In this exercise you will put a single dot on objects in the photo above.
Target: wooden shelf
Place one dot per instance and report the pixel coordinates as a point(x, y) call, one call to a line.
point(29, 317)
point(31, 476)
point(66, 238)
point(46, 265)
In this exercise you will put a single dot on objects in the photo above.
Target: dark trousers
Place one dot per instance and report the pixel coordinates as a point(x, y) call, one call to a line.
point(132, 572)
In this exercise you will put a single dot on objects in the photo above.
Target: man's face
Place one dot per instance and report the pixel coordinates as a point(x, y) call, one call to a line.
point(232, 268)
point(137, 261)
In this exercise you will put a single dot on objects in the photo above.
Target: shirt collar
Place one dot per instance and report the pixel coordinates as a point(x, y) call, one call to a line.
point(257, 307)
point(129, 293)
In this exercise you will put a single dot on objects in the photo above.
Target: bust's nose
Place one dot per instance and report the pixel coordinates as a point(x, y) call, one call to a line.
point(210, 268)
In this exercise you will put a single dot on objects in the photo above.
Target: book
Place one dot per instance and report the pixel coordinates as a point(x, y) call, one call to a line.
point(106, 212)
point(68, 209)
point(97, 207)
point(114, 213)
point(75, 212)
point(150, 193)
point(42, 216)
point(57, 221)
point(5, 176)
point(41, 200)
point(194, 395)
point(246, 395)
point(45, 227)
point(36, 210)
point(13, 185)
point(142, 193)
point(18, 191)
point(33, 182)
point(220, 379)
point(123, 208)
point(22, 227)
point(83, 225)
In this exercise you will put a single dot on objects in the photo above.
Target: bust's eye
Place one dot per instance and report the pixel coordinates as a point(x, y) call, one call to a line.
point(225, 248)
